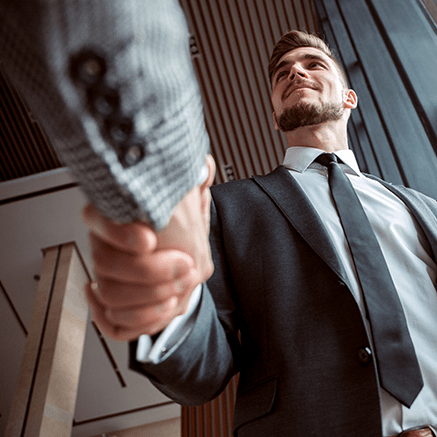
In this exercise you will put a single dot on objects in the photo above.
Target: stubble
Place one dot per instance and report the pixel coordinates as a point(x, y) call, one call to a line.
point(307, 114)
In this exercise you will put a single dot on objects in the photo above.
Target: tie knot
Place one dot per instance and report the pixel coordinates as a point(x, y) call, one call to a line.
point(326, 158)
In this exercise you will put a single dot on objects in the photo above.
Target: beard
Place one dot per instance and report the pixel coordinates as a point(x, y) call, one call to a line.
point(306, 114)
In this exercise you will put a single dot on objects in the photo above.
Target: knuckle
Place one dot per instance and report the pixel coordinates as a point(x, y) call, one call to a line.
point(102, 256)
point(183, 307)
point(161, 292)
point(164, 311)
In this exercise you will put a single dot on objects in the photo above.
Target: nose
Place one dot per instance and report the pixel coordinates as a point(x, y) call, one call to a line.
point(297, 71)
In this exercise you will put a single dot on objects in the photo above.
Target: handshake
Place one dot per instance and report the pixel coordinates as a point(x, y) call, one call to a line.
point(144, 278)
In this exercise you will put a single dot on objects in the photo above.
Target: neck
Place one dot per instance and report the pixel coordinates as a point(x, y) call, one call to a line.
point(329, 137)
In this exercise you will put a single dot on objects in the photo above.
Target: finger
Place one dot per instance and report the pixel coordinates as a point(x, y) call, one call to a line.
point(142, 317)
point(114, 294)
point(114, 330)
point(109, 329)
point(145, 268)
point(134, 237)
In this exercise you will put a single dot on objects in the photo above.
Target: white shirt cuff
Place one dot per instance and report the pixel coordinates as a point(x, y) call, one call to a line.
point(179, 328)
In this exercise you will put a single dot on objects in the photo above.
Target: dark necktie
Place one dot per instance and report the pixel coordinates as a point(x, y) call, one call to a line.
point(399, 371)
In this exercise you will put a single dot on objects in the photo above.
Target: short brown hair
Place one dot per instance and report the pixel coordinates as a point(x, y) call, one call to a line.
point(295, 39)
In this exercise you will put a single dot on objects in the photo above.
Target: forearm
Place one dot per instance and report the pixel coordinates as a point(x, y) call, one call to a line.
point(144, 46)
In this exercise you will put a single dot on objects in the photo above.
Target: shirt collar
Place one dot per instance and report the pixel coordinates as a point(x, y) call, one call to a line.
point(300, 158)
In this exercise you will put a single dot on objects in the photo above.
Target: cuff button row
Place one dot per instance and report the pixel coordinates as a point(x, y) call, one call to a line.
point(88, 69)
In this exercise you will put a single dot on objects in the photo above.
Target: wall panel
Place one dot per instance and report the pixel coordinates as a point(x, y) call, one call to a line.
point(234, 40)
point(383, 45)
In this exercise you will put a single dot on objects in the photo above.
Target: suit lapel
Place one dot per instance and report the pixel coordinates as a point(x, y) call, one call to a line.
point(288, 196)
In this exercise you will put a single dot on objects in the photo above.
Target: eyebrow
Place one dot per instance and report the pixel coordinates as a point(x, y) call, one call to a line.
point(305, 57)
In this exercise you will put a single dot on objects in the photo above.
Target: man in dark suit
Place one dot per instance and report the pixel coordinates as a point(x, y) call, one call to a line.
point(285, 305)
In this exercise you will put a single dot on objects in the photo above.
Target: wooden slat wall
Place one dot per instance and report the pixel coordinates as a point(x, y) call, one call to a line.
point(389, 50)
point(234, 39)
point(24, 150)
point(213, 419)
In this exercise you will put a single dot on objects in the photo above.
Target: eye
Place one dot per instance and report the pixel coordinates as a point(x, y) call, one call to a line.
point(280, 75)
point(316, 64)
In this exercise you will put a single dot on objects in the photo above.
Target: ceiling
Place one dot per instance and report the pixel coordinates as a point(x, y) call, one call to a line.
point(40, 206)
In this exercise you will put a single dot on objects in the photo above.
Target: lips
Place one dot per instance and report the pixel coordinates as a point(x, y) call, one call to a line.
point(297, 86)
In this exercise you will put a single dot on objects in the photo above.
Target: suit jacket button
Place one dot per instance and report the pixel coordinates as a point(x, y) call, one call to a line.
point(118, 128)
point(87, 67)
point(365, 355)
point(103, 100)
point(132, 153)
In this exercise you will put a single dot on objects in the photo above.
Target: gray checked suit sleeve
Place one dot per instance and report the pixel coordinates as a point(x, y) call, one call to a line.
point(112, 83)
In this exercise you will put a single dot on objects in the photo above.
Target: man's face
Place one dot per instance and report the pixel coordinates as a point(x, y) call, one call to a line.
point(306, 90)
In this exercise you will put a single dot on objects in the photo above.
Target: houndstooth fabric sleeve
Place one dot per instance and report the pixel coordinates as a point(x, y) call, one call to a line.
point(135, 136)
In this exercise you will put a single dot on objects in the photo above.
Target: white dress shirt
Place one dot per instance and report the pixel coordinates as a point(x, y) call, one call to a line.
point(408, 256)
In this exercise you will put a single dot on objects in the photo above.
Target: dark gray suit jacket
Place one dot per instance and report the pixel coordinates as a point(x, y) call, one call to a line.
point(304, 369)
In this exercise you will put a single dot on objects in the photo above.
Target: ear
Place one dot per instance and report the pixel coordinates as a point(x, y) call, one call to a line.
point(205, 194)
point(204, 187)
point(351, 99)
point(210, 164)
point(275, 123)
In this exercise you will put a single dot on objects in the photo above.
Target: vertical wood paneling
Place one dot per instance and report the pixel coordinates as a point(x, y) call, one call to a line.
point(235, 38)
point(214, 419)
point(24, 150)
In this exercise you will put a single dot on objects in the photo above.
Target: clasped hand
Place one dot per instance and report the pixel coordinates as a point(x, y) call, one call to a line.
point(144, 279)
